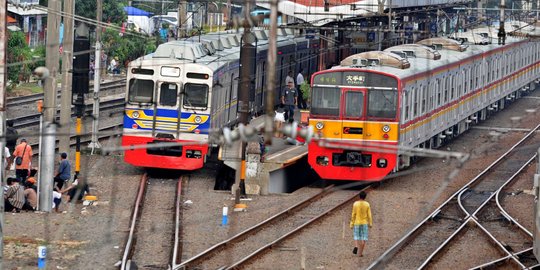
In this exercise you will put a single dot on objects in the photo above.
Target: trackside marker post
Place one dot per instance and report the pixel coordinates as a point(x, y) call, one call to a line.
point(225, 218)
point(42, 256)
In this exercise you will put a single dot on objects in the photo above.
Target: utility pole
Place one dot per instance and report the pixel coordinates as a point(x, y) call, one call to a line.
point(3, 82)
point(271, 82)
point(67, 62)
point(247, 54)
point(502, 34)
point(94, 144)
point(181, 32)
point(46, 168)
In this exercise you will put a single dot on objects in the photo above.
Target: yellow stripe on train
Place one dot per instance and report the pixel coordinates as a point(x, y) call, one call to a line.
point(189, 120)
point(356, 130)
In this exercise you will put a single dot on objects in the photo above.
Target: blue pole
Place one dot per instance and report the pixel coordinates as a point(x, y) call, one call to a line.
point(42, 255)
point(225, 218)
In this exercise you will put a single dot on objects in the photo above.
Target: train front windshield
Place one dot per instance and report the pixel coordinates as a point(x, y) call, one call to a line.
point(141, 91)
point(382, 103)
point(325, 101)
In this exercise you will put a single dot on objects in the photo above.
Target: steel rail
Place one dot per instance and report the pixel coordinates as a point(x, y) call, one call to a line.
point(394, 248)
point(35, 97)
point(107, 128)
point(128, 251)
point(508, 216)
point(177, 249)
point(472, 217)
point(295, 207)
point(500, 260)
point(33, 119)
point(287, 235)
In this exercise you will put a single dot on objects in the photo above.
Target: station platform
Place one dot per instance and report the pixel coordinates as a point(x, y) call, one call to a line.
point(265, 175)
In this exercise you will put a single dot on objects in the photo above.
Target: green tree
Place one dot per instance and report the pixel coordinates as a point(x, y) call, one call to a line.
point(127, 47)
point(19, 68)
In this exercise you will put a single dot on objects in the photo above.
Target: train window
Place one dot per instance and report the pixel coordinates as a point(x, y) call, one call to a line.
point(354, 104)
point(415, 102)
point(167, 94)
point(325, 101)
point(195, 95)
point(424, 97)
point(141, 91)
point(383, 103)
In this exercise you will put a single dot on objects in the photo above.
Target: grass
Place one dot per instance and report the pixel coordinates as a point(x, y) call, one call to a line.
point(28, 87)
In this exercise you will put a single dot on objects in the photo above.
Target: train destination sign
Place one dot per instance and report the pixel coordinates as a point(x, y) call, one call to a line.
point(352, 78)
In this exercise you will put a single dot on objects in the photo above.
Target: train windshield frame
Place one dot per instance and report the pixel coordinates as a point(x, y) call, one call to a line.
point(382, 103)
point(325, 101)
point(141, 91)
point(195, 96)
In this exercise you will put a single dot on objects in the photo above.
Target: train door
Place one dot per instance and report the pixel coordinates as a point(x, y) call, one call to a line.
point(167, 103)
point(352, 113)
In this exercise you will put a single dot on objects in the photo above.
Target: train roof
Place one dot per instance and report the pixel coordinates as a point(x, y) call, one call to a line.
point(213, 50)
point(422, 64)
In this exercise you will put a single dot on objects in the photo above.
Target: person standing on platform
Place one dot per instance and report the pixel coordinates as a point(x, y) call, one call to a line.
point(360, 220)
point(289, 78)
point(299, 81)
point(289, 98)
point(64, 171)
point(23, 157)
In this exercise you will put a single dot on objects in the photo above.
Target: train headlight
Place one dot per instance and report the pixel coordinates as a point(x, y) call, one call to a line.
point(322, 160)
point(386, 128)
point(135, 115)
point(319, 125)
point(382, 163)
point(198, 119)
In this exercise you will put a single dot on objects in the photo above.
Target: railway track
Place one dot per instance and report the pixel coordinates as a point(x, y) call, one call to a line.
point(33, 119)
point(30, 99)
point(466, 206)
point(242, 250)
point(107, 132)
point(154, 235)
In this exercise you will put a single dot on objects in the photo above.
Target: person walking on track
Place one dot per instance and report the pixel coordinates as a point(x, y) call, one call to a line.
point(360, 220)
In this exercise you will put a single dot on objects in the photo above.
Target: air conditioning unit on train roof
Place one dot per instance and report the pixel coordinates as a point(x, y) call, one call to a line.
point(178, 51)
point(416, 51)
point(443, 43)
point(376, 58)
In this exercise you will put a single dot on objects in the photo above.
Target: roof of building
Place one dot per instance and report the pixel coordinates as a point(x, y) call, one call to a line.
point(133, 11)
point(25, 12)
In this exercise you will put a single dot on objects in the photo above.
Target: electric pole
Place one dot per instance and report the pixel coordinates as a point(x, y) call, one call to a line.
point(46, 168)
point(67, 62)
point(502, 33)
point(94, 144)
point(3, 81)
point(271, 82)
point(181, 31)
point(247, 57)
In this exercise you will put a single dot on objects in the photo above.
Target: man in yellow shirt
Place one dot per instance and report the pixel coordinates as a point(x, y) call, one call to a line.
point(360, 220)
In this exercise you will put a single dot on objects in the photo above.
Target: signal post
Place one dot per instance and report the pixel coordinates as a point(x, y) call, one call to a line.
point(81, 66)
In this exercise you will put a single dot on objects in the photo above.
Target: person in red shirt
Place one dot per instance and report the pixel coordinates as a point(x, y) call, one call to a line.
point(24, 151)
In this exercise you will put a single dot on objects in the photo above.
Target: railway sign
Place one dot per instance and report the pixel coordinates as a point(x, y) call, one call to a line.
point(310, 34)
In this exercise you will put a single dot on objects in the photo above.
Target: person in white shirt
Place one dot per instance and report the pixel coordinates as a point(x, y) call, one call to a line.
point(299, 81)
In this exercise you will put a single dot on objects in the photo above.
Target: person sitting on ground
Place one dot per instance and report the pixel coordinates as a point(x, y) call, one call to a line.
point(31, 182)
point(64, 171)
point(30, 195)
point(14, 196)
point(57, 199)
point(78, 189)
